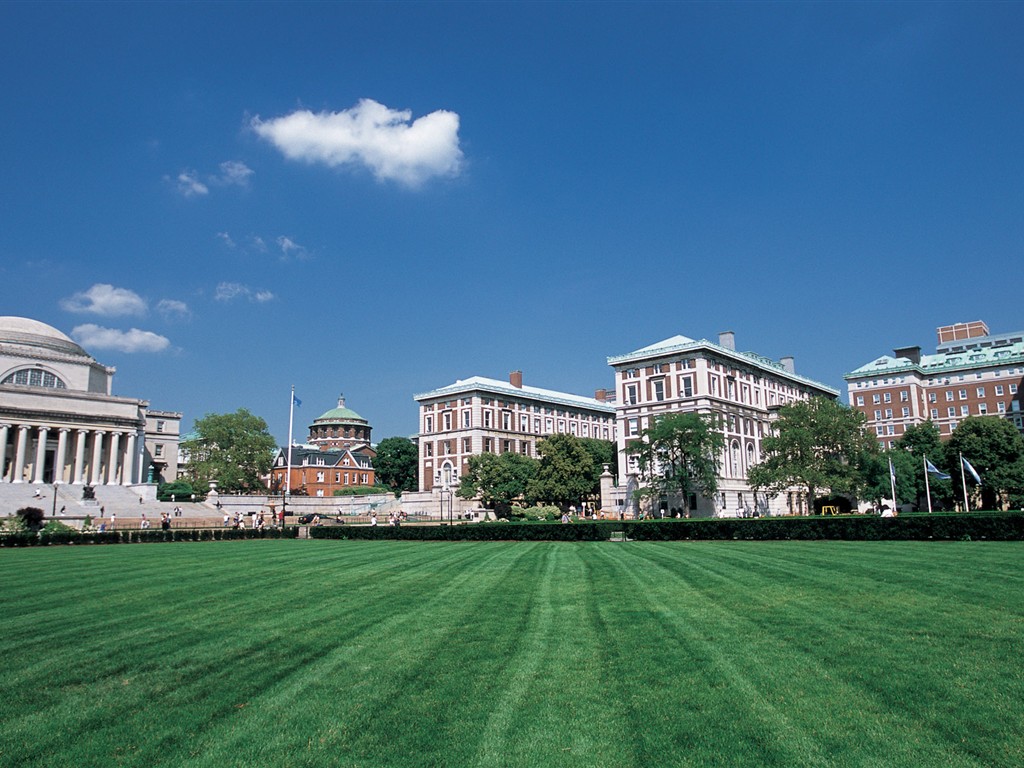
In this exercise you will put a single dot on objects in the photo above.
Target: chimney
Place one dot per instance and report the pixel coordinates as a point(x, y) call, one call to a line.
point(727, 339)
point(516, 379)
point(913, 354)
point(600, 395)
point(787, 364)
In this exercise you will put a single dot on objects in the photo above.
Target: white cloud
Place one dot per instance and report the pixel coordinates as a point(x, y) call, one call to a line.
point(387, 141)
point(233, 172)
point(189, 184)
point(231, 291)
point(258, 244)
point(289, 248)
point(172, 308)
point(134, 340)
point(225, 238)
point(107, 301)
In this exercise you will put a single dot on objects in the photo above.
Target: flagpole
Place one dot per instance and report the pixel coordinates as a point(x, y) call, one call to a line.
point(927, 485)
point(892, 485)
point(291, 419)
point(963, 482)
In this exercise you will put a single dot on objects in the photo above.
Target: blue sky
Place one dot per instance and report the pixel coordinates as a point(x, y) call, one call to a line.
point(223, 200)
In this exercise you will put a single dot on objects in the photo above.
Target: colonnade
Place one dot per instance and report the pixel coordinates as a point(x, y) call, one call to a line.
point(78, 455)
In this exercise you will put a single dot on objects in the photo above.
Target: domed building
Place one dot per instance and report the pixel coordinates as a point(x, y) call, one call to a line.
point(339, 427)
point(337, 456)
point(60, 422)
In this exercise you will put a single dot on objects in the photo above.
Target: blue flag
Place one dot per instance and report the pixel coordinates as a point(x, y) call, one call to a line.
point(298, 403)
point(933, 470)
point(969, 468)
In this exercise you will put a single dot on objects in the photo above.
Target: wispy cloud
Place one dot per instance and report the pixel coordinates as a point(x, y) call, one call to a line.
point(291, 249)
point(232, 291)
point(189, 184)
point(225, 238)
point(387, 141)
point(173, 309)
point(134, 340)
point(105, 300)
point(233, 173)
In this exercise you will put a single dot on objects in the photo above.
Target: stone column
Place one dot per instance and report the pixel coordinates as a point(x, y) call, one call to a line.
point(128, 476)
point(115, 458)
point(19, 456)
point(77, 474)
point(97, 457)
point(3, 452)
point(40, 464)
point(58, 460)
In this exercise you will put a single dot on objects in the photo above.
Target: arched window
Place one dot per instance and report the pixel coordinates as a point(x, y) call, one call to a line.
point(35, 377)
point(750, 456)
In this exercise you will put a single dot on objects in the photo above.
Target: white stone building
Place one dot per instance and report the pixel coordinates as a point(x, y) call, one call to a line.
point(681, 375)
point(60, 422)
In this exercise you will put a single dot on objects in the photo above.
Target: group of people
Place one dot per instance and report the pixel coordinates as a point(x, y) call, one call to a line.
point(257, 519)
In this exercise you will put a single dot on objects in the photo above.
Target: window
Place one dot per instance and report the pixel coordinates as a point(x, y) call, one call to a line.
point(1001, 407)
point(319, 477)
point(887, 397)
point(158, 450)
point(467, 445)
point(982, 409)
point(524, 423)
point(428, 450)
point(159, 426)
point(951, 411)
point(878, 415)
point(964, 411)
point(981, 391)
point(686, 386)
point(888, 413)
point(999, 390)
point(906, 412)
point(658, 387)
point(860, 399)
point(631, 394)
point(904, 396)
point(876, 399)
point(1013, 389)
point(949, 395)
point(963, 394)
point(487, 419)
point(506, 420)
point(935, 413)
point(428, 424)
point(447, 421)
point(466, 416)
point(931, 397)
point(35, 377)
point(659, 368)
point(633, 428)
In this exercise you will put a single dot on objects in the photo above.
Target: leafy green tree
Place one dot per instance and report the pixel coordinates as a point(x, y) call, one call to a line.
point(179, 490)
point(602, 452)
point(235, 449)
point(680, 454)
point(497, 479)
point(995, 449)
point(396, 464)
point(922, 441)
point(566, 473)
point(877, 484)
point(816, 444)
point(31, 518)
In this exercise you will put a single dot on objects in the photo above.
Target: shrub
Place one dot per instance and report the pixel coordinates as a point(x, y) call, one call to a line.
point(31, 517)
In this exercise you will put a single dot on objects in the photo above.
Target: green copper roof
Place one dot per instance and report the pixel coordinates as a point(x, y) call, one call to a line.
point(341, 413)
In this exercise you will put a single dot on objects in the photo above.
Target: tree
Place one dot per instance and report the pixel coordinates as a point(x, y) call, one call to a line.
point(922, 441)
point(498, 480)
point(31, 518)
point(396, 464)
point(235, 449)
point(601, 452)
point(877, 482)
point(680, 454)
point(179, 490)
point(816, 444)
point(566, 472)
point(995, 449)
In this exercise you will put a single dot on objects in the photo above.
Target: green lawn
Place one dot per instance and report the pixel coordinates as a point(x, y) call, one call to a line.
point(335, 653)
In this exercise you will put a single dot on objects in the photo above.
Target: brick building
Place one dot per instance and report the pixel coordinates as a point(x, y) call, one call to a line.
point(972, 373)
point(481, 415)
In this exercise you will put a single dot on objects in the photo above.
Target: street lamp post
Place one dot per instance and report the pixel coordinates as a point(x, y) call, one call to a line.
point(53, 512)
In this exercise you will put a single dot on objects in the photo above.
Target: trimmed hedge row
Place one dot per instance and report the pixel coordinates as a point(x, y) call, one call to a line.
point(138, 536)
point(993, 526)
point(469, 532)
